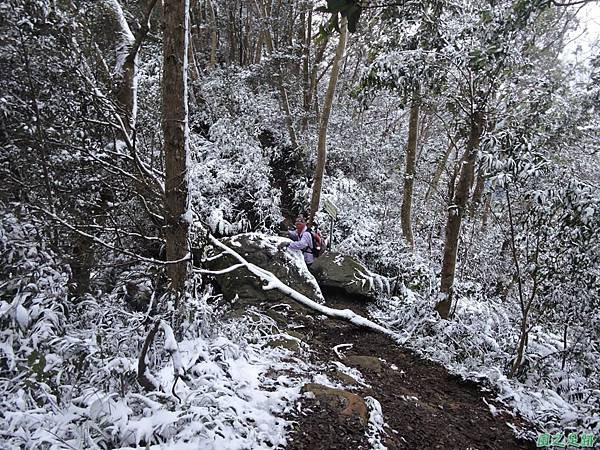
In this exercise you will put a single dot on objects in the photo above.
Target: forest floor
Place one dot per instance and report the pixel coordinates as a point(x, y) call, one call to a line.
point(423, 406)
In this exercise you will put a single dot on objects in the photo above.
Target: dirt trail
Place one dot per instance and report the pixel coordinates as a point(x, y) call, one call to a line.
point(423, 406)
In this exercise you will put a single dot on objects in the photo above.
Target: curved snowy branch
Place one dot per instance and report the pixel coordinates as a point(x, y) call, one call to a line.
point(219, 272)
point(272, 282)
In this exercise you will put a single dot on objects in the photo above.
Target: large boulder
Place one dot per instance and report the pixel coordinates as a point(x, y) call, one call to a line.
point(337, 272)
point(263, 251)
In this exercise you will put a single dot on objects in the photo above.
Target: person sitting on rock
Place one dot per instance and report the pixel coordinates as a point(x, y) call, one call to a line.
point(302, 240)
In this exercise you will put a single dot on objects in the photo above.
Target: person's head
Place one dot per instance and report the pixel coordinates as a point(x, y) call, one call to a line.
point(300, 224)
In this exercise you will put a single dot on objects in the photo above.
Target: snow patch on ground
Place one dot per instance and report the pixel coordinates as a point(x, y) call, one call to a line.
point(352, 372)
point(375, 430)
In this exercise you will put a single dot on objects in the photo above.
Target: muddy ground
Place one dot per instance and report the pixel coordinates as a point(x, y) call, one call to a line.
point(424, 406)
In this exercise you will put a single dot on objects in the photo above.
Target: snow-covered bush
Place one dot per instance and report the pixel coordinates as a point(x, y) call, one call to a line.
point(231, 180)
point(69, 369)
point(479, 343)
point(231, 185)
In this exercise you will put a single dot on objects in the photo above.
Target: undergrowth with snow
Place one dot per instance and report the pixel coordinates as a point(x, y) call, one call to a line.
point(69, 369)
point(479, 343)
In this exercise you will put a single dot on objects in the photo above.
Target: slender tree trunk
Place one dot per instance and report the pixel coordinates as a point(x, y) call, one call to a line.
point(456, 211)
point(524, 304)
point(230, 20)
point(328, 102)
point(565, 344)
point(241, 34)
point(125, 68)
point(523, 339)
point(477, 192)
point(289, 122)
point(312, 88)
point(288, 114)
point(425, 124)
point(259, 47)
point(175, 130)
point(439, 169)
point(127, 55)
point(307, 38)
point(487, 207)
point(126, 95)
point(193, 64)
point(409, 173)
point(213, 35)
point(82, 264)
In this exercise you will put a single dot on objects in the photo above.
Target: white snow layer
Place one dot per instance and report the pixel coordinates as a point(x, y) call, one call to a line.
point(375, 429)
point(229, 404)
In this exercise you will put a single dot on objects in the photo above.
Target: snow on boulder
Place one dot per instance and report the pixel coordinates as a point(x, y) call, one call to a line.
point(262, 251)
point(337, 272)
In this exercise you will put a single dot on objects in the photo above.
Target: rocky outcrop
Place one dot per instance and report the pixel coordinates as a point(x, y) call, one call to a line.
point(338, 272)
point(263, 251)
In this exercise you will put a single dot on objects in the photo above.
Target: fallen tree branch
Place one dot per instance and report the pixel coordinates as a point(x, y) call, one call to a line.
point(219, 272)
point(272, 282)
point(337, 349)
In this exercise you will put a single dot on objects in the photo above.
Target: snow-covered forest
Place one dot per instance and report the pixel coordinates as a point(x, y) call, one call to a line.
point(155, 154)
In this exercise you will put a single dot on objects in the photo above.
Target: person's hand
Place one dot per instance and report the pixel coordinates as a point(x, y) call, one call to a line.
point(282, 245)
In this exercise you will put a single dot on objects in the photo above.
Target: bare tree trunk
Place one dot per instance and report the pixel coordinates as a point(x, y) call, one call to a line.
point(328, 102)
point(258, 50)
point(175, 130)
point(524, 304)
point(409, 174)
point(477, 192)
point(307, 38)
point(438, 171)
point(213, 35)
point(312, 89)
point(289, 123)
point(288, 114)
point(456, 211)
point(241, 34)
point(487, 207)
point(193, 64)
point(230, 20)
point(523, 341)
point(125, 91)
point(126, 67)
point(565, 344)
point(425, 124)
point(82, 264)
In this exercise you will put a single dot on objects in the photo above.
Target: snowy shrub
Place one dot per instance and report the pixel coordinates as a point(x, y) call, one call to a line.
point(70, 369)
point(232, 181)
point(479, 342)
point(231, 185)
